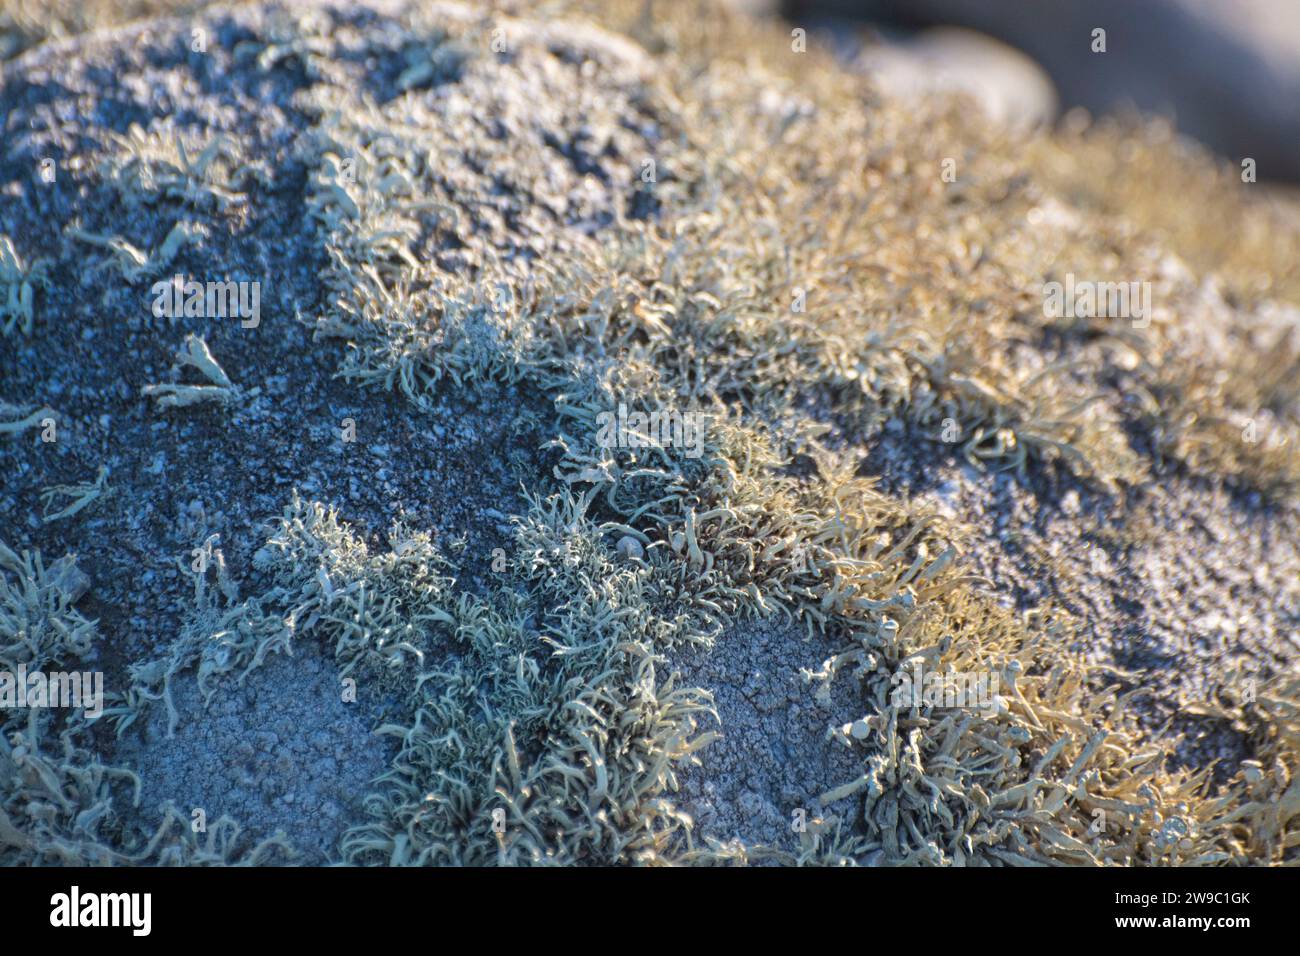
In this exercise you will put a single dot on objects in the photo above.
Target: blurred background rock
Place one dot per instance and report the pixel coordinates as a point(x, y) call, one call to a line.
point(1227, 72)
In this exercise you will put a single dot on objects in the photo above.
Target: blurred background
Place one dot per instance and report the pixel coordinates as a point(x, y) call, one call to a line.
point(1226, 72)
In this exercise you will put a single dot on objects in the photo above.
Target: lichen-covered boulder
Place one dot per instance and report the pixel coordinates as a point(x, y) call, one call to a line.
point(604, 438)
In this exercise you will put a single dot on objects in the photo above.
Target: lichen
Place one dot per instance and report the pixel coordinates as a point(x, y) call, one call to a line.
point(794, 271)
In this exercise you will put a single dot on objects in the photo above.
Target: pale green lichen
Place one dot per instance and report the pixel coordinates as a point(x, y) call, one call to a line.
point(150, 166)
point(78, 497)
point(135, 265)
point(194, 352)
point(18, 282)
point(15, 419)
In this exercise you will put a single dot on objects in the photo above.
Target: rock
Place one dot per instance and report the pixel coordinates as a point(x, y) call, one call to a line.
point(630, 548)
point(69, 579)
point(1009, 86)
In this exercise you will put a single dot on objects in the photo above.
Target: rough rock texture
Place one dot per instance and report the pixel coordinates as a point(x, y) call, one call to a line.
point(774, 758)
point(281, 753)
